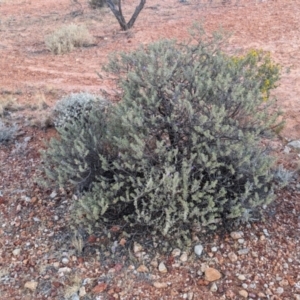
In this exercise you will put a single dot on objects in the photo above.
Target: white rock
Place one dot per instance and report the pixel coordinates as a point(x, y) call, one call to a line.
point(241, 241)
point(237, 235)
point(75, 296)
point(243, 293)
point(295, 144)
point(279, 290)
point(286, 150)
point(242, 277)
point(232, 256)
point(31, 285)
point(243, 251)
point(82, 292)
point(214, 249)
point(213, 287)
point(17, 252)
point(297, 297)
point(56, 265)
point(160, 285)
point(198, 249)
point(176, 252)
point(64, 270)
point(162, 268)
point(65, 261)
point(183, 257)
point(137, 247)
point(190, 296)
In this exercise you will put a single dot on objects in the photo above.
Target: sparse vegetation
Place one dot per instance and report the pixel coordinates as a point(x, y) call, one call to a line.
point(66, 38)
point(181, 149)
point(7, 133)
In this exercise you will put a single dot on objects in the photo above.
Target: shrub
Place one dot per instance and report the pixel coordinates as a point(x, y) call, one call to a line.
point(76, 157)
point(94, 4)
point(64, 39)
point(70, 108)
point(181, 149)
point(7, 133)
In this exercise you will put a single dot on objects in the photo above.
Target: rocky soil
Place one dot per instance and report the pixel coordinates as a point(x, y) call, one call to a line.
point(41, 257)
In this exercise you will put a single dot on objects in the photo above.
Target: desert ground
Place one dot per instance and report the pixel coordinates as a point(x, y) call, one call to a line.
point(40, 257)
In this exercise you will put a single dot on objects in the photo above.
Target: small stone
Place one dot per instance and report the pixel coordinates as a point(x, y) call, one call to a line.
point(241, 241)
point(294, 144)
point(31, 285)
point(297, 297)
point(232, 256)
point(183, 257)
point(53, 194)
point(75, 296)
point(56, 265)
point(261, 295)
point(198, 249)
point(237, 235)
point(245, 285)
point(82, 292)
point(142, 269)
point(213, 287)
point(64, 270)
point(160, 285)
point(65, 260)
point(243, 293)
point(16, 252)
point(212, 274)
point(190, 296)
point(279, 290)
point(284, 282)
point(254, 254)
point(137, 247)
point(162, 268)
point(214, 249)
point(243, 251)
point(99, 288)
point(154, 263)
point(33, 200)
point(242, 277)
point(176, 252)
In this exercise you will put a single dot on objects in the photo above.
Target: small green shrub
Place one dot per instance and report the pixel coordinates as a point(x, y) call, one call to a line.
point(7, 133)
point(181, 149)
point(70, 108)
point(64, 39)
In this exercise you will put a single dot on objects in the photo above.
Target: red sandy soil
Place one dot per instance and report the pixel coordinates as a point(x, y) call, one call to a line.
point(28, 71)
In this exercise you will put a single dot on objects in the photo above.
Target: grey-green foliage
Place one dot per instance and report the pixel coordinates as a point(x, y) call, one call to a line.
point(7, 133)
point(186, 142)
point(75, 158)
point(69, 108)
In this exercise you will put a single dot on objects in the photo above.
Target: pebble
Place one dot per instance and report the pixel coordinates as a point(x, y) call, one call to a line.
point(243, 293)
point(176, 252)
point(198, 249)
point(183, 257)
point(190, 296)
point(297, 297)
point(162, 268)
point(31, 285)
point(82, 292)
point(243, 251)
point(17, 252)
point(245, 285)
point(279, 290)
point(241, 241)
point(65, 261)
point(212, 274)
point(295, 144)
point(154, 263)
point(214, 249)
point(56, 265)
point(237, 235)
point(160, 285)
point(142, 269)
point(64, 270)
point(242, 277)
point(137, 247)
point(213, 287)
point(233, 257)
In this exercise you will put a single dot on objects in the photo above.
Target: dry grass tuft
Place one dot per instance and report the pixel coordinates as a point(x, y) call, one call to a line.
point(66, 38)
